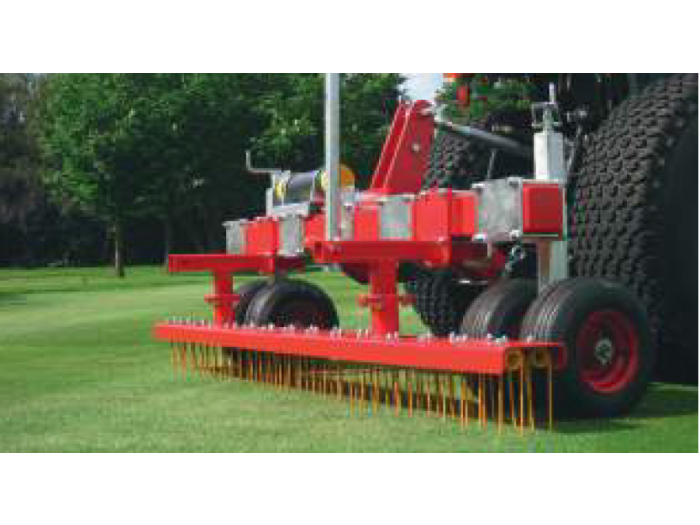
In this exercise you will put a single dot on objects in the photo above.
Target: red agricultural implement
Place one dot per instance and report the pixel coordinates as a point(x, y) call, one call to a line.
point(523, 343)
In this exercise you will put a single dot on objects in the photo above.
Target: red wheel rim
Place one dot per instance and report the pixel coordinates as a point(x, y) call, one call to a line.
point(608, 351)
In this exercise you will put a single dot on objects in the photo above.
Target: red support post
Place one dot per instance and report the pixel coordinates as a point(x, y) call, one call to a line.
point(223, 299)
point(383, 300)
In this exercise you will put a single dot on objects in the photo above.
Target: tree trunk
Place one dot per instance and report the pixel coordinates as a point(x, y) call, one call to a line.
point(167, 238)
point(211, 233)
point(119, 249)
point(193, 234)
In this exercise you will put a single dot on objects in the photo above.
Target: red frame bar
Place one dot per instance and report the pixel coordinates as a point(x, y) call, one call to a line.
point(381, 251)
point(476, 356)
point(225, 263)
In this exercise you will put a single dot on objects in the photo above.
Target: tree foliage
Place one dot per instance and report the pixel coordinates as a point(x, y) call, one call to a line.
point(294, 136)
point(19, 189)
point(126, 146)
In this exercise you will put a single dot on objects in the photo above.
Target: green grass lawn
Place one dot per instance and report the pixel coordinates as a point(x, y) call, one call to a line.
point(80, 371)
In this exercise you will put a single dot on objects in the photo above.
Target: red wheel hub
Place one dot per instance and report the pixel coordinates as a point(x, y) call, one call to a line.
point(608, 351)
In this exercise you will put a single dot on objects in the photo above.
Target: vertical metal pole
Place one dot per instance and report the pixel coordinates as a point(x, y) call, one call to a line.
point(332, 154)
point(552, 256)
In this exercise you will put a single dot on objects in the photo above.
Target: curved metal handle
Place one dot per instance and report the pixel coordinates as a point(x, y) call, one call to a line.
point(258, 171)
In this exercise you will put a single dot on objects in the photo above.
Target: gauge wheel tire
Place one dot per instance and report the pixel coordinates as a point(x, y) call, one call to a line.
point(610, 353)
point(295, 303)
point(634, 213)
point(499, 311)
point(246, 293)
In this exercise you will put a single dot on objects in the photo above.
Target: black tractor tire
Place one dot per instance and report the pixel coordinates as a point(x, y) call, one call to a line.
point(499, 311)
point(633, 213)
point(441, 300)
point(455, 162)
point(293, 303)
point(610, 352)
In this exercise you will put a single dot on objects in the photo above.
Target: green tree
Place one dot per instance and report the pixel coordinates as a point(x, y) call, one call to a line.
point(89, 131)
point(22, 199)
point(216, 119)
point(19, 187)
point(125, 146)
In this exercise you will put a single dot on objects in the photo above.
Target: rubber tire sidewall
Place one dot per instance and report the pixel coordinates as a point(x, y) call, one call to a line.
point(268, 302)
point(246, 293)
point(680, 268)
point(561, 319)
point(500, 309)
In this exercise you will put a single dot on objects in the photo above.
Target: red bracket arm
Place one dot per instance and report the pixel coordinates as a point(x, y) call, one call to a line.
point(404, 159)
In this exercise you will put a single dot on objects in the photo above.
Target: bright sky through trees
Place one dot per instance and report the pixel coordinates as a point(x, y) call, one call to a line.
point(423, 85)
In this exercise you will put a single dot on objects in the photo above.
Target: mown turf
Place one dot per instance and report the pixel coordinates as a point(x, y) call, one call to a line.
point(79, 371)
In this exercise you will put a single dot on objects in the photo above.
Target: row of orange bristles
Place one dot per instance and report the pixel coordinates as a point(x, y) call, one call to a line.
point(505, 399)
